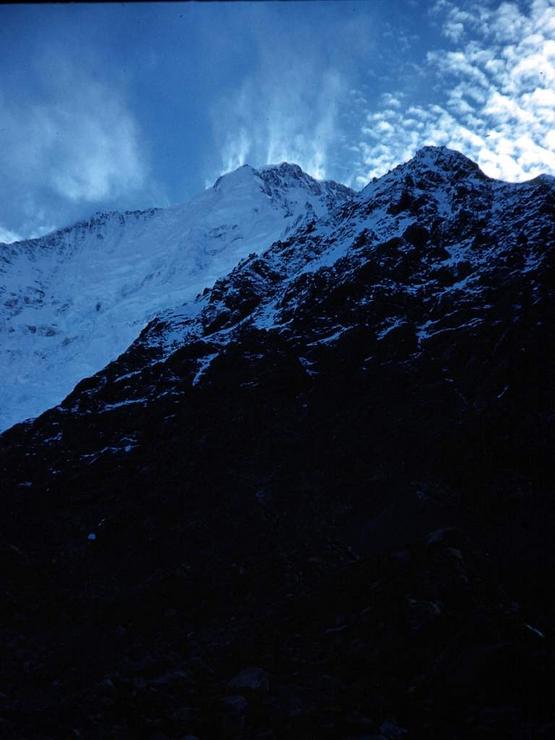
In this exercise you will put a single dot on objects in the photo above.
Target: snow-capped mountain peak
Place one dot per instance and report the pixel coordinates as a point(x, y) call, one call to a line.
point(431, 167)
point(73, 300)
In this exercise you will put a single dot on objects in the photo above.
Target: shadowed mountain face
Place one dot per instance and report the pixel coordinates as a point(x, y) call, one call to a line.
point(315, 502)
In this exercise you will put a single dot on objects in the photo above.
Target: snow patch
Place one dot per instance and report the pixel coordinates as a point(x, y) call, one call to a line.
point(203, 365)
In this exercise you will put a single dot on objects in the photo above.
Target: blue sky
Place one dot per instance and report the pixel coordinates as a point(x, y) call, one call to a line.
point(134, 105)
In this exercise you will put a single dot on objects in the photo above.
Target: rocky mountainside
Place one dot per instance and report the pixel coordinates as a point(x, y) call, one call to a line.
point(314, 502)
point(72, 301)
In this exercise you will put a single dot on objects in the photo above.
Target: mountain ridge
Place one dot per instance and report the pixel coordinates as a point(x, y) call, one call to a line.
point(72, 300)
point(307, 503)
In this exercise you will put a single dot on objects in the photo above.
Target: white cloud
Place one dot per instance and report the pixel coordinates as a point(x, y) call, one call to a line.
point(295, 120)
point(495, 93)
point(84, 148)
point(236, 151)
point(295, 103)
point(76, 143)
point(7, 236)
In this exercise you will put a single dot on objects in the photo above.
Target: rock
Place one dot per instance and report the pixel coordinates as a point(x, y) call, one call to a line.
point(422, 613)
point(234, 717)
point(184, 716)
point(251, 679)
point(441, 536)
point(417, 235)
point(355, 721)
point(391, 730)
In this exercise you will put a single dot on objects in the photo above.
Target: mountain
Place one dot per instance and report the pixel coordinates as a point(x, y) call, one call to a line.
point(316, 501)
point(72, 301)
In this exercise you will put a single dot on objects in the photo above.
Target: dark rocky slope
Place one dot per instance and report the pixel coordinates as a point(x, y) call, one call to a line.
point(317, 503)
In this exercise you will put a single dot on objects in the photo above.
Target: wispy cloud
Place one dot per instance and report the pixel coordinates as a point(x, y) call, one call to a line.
point(7, 236)
point(289, 107)
point(295, 121)
point(303, 123)
point(75, 143)
point(494, 94)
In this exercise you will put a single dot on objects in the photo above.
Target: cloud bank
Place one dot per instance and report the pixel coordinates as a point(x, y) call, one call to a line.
point(494, 94)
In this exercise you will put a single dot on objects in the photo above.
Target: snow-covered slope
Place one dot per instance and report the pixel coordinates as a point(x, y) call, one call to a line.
point(72, 301)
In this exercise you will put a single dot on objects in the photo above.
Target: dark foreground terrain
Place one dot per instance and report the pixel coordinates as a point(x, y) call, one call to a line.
point(319, 505)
